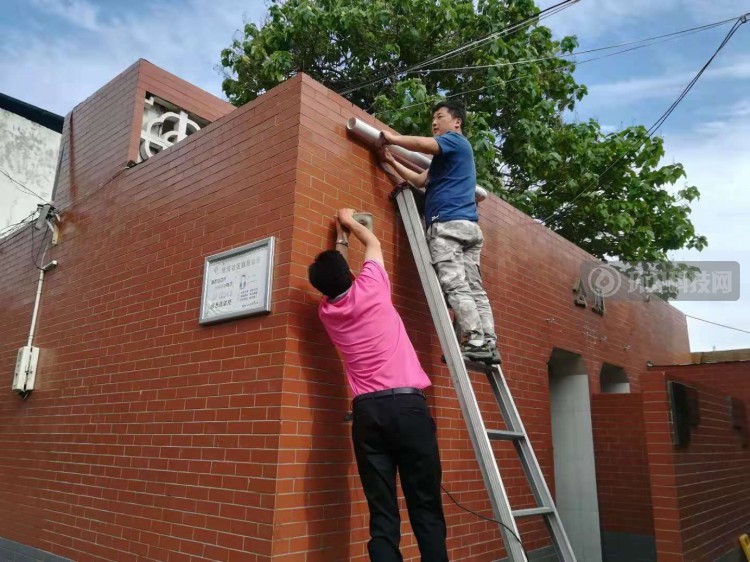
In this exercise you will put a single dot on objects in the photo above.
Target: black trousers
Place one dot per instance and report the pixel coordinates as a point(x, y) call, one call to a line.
point(398, 433)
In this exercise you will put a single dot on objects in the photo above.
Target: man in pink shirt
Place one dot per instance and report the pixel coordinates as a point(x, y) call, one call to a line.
point(393, 429)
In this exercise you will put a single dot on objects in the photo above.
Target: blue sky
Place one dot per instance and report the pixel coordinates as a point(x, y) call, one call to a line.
point(54, 53)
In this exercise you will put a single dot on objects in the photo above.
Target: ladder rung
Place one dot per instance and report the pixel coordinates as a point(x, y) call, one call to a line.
point(502, 435)
point(478, 366)
point(532, 511)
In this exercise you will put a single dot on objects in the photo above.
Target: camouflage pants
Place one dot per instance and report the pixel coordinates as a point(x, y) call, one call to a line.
point(455, 247)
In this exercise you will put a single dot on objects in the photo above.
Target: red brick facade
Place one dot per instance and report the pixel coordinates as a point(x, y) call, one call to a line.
point(622, 476)
point(699, 491)
point(150, 437)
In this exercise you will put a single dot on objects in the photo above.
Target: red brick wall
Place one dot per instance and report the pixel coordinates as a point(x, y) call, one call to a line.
point(150, 437)
point(699, 491)
point(622, 476)
point(101, 134)
point(529, 273)
point(732, 378)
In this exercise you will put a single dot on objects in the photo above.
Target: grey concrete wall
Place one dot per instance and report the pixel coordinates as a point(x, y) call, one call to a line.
point(573, 442)
point(11, 551)
point(28, 154)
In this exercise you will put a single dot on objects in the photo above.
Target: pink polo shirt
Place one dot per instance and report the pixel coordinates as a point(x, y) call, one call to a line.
point(369, 333)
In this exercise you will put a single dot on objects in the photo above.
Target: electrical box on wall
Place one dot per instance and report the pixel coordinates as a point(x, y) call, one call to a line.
point(25, 373)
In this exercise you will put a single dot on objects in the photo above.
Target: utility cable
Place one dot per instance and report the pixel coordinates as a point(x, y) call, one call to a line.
point(463, 48)
point(690, 85)
point(42, 248)
point(516, 79)
point(667, 37)
point(658, 123)
point(7, 229)
point(22, 186)
point(466, 509)
point(548, 12)
point(648, 40)
point(717, 324)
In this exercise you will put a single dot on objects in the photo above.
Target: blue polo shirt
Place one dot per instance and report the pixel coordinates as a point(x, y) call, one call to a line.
point(451, 181)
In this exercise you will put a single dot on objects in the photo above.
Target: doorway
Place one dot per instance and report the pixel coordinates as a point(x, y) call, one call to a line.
point(573, 454)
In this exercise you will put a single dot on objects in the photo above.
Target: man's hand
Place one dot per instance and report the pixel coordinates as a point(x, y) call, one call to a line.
point(387, 156)
point(389, 164)
point(425, 145)
point(398, 172)
point(372, 244)
point(386, 137)
point(345, 218)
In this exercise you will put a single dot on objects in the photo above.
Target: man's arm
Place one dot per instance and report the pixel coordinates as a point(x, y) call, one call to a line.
point(342, 239)
point(425, 145)
point(417, 179)
point(373, 250)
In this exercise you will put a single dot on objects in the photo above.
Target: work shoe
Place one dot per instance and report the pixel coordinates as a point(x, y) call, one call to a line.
point(474, 352)
point(495, 358)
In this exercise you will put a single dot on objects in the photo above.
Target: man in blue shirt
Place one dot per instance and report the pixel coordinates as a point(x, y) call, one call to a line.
point(453, 234)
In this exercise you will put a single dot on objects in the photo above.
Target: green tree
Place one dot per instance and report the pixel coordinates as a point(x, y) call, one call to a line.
point(605, 192)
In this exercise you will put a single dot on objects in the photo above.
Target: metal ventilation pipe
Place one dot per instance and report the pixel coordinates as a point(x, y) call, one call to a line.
point(414, 160)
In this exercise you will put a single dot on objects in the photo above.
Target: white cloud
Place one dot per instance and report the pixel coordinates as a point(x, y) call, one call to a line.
point(715, 161)
point(739, 109)
point(57, 71)
point(78, 12)
point(601, 18)
point(595, 18)
point(668, 85)
point(715, 10)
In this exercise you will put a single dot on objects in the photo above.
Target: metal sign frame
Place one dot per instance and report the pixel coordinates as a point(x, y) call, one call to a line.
point(226, 268)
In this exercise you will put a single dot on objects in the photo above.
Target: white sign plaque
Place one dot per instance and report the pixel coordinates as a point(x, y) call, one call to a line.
point(238, 282)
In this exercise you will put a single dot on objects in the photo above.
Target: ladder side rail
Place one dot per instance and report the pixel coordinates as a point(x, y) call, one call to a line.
point(530, 464)
point(466, 397)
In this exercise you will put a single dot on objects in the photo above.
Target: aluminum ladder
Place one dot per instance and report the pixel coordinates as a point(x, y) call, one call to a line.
point(480, 436)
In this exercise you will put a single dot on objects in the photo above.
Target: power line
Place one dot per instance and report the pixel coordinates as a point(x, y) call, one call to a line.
point(23, 189)
point(464, 48)
point(548, 12)
point(659, 122)
point(7, 229)
point(717, 324)
point(466, 509)
point(649, 40)
point(669, 37)
point(741, 20)
point(536, 74)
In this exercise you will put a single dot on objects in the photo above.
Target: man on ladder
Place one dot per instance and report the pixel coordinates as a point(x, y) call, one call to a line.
point(453, 234)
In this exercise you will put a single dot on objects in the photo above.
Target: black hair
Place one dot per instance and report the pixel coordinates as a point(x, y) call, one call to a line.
point(456, 108)
point(330, 274)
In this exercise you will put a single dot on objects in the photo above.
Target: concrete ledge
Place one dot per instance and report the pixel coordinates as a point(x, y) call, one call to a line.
point(11, 551)
point(628, 547)
point(734, 555)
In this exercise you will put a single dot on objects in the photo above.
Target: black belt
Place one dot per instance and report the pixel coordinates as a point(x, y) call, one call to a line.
point(388, 392)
